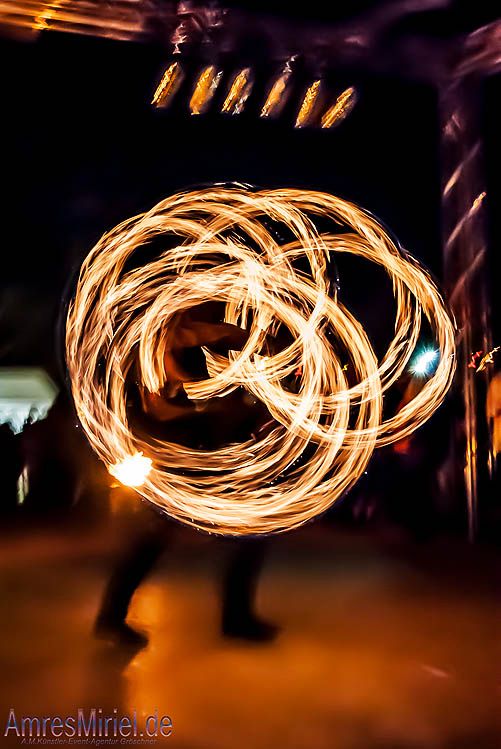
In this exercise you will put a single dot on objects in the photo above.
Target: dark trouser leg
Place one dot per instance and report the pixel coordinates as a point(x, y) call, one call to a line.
point(130, 570)
point(241, 579)
point(239, 590)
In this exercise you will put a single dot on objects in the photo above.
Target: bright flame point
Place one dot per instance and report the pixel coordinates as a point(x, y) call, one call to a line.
point(132, 470)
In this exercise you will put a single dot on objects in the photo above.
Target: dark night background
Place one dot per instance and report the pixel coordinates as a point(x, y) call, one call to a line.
point(83, 150)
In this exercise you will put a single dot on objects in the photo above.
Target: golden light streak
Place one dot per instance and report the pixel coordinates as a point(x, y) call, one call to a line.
point(341, 108)
point(239, 91)
point(309, 105)
point(204, 89)
point(278, 94)
point(112, 20)
point(120, 316)
point(168, 86)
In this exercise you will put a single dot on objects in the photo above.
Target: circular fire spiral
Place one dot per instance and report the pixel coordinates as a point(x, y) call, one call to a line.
point(224, 246)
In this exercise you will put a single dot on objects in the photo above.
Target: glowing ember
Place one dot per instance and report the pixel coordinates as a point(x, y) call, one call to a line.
point(116, 326)
point(487, 359)
point(132, 470)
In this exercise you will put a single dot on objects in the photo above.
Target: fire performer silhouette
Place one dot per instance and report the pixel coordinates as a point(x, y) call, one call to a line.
point(213, 423)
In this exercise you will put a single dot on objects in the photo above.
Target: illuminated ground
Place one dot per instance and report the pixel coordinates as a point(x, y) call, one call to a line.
point(380, 649)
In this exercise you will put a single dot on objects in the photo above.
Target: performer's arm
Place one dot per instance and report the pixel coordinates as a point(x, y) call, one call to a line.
point(163, 410)
point(222, 337)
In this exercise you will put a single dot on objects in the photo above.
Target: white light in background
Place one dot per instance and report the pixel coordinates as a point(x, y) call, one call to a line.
point(425, 362)
point(25, 393)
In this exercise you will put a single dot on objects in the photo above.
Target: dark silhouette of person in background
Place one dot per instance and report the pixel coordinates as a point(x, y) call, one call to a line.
point(50, 453)
point(222, 420)
point(62, 477)
point(405, 473)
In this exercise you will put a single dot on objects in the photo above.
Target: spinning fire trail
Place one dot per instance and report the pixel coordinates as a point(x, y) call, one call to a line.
point(227, 245)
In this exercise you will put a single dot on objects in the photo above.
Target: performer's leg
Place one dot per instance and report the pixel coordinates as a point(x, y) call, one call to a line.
point(239, 591)
point(131, 568)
